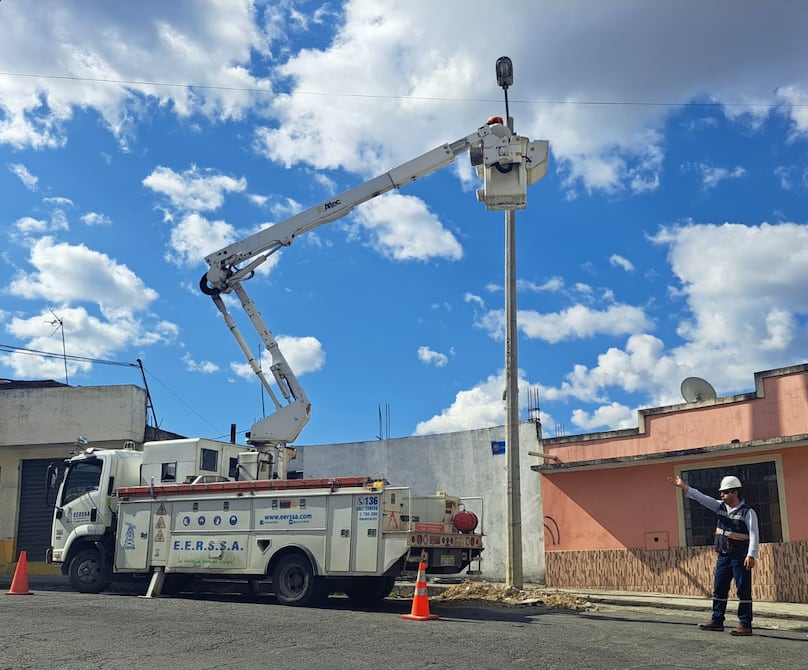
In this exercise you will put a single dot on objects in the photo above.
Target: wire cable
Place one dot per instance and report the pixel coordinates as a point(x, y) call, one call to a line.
point(271, 91)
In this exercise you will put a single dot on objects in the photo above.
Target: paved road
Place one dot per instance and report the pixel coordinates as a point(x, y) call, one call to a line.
point(65, 630)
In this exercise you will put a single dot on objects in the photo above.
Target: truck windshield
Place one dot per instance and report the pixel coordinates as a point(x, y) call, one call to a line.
point(81, 477)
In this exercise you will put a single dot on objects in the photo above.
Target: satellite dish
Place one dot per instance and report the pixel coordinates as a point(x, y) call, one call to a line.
point(696, 389)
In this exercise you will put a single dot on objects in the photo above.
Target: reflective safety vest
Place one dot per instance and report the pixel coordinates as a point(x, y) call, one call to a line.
point(732, 534)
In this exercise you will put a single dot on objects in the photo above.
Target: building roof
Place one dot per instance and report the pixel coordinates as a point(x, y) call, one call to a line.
point(9, 384)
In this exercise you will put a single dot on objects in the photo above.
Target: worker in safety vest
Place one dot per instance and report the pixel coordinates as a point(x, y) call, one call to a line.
point(736, 543)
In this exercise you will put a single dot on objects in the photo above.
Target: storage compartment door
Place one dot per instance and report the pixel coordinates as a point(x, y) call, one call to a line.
point(366, 547)
point(134, 536)
point(340, 508)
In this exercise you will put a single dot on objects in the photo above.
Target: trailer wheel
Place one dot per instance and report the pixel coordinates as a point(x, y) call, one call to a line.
point(293, 581)
point(366, 590)
point(87, 573)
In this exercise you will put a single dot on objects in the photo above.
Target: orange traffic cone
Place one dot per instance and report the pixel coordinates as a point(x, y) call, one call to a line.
point(420, 599)
point(19, 584)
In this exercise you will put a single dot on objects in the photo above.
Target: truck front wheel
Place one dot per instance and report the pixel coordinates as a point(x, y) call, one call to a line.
point(293, 581)
point(87, 572)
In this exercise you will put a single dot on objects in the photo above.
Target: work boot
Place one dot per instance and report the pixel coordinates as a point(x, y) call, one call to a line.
point(740, 631)
point(712, 625)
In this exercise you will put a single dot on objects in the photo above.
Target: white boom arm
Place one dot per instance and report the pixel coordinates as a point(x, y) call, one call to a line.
point(507, 162)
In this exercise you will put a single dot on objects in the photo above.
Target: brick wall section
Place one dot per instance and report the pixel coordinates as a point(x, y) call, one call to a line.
point(781, 574)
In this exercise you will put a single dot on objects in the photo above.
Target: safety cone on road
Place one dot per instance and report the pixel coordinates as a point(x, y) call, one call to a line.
point(420, 599)
point(19, 584)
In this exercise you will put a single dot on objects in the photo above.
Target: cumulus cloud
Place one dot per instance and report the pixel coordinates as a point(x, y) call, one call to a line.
point(95, 219)
point(611, 416)
point(195, 236)
point(85, 336)
point(744, 310)
point(65, 273)
point(105, 74)
point(194, 189)
point(481, 406)
point(304, 355)
point(402, 228)
point(431, 357)
point(205, 367)
point(576, 322)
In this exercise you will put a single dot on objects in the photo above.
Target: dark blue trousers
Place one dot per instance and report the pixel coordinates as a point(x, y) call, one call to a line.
point(727, 568)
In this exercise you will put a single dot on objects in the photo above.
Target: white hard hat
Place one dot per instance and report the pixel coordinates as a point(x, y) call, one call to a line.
point(729, 483)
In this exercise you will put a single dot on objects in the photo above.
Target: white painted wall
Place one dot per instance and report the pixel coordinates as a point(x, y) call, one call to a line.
point(58, 415)
point(460, 464)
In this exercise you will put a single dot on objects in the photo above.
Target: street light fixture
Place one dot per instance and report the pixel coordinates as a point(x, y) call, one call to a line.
point(505, 80)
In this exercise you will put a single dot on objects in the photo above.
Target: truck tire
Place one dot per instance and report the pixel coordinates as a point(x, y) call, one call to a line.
point(294, 583)
point(367, 590)
point(87, 573)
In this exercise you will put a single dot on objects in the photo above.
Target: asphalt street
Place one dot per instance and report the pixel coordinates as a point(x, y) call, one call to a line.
point(59, 628)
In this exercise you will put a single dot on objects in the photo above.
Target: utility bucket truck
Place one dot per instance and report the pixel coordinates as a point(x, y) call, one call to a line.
point(174, 511)
point(197, 508)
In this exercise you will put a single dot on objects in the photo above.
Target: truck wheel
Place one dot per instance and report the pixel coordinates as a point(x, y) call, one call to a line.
point(366, 590)
point(87, 574)
point(293, 581)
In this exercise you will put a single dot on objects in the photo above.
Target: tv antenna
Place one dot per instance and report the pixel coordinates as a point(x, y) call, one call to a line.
point(59, 323)
point(696, 389)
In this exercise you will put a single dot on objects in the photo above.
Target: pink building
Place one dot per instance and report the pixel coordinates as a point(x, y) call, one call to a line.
point(613, 520)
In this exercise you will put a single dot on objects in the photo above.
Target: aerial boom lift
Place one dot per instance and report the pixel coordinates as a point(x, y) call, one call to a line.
point(506, 162)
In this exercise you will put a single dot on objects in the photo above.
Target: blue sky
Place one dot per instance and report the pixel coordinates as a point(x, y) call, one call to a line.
point(667, 240)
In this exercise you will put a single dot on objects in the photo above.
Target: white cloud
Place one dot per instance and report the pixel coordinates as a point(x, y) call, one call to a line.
point(402, 228)
point(575, 322)
point(95, 219)
point(29, 180)
point(390, 85)
point(304, 355)
point(552, 285)
point(641, 367)
point(618, 261)
point(711, 176)
point(611, 416)
point(194, 189)
point(65, 273)
point(58, 200)
point(85, 335)
point(745, 310)
point(49, 37)
point(205, 367)
point(474, 299)
point(478, 407)
point(431, 357)
point(194, 237)
point(29, 226)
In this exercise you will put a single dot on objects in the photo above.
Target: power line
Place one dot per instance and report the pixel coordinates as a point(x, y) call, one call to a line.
point(330, 94)
point(86, 359)
point(71, 357)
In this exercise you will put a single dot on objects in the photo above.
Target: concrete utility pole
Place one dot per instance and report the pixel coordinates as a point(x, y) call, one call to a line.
point(513, 565)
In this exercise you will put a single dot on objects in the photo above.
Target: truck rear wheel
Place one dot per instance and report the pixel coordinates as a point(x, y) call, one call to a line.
point(366, 590)
point(87, 572)
point(293, 581)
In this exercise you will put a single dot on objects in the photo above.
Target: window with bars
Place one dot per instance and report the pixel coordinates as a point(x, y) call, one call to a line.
point(759, 490)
